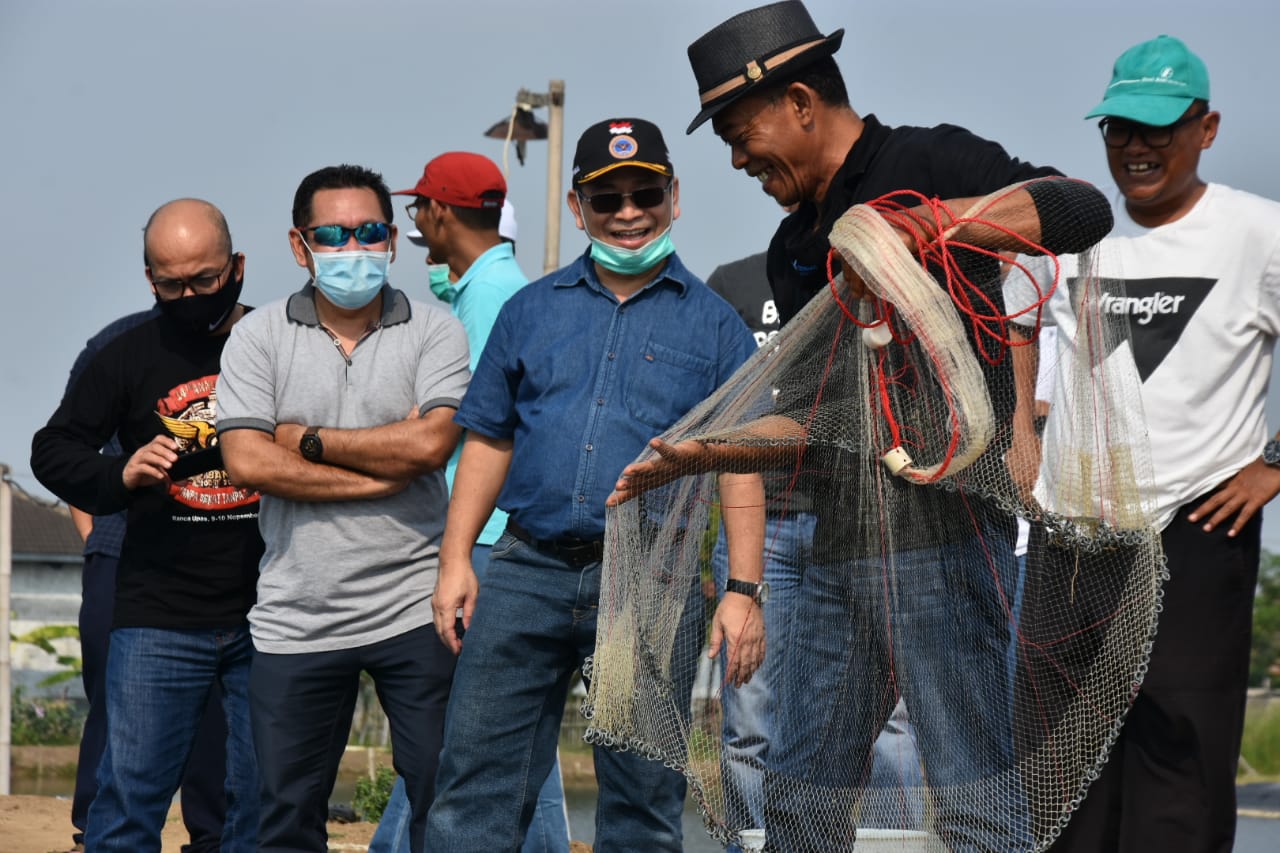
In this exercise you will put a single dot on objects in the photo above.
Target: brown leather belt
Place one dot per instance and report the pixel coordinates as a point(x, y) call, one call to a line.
point(576, 552)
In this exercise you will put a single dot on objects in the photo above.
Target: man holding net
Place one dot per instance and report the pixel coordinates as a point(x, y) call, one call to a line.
point(909, 585)
point(1194, 267)
point(580, 368)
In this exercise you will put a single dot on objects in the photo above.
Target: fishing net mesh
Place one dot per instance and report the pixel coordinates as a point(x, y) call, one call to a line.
point(888, 426)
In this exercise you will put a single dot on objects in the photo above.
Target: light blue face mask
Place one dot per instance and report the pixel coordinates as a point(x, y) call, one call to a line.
point(438, 279)
point(350, 279)
point(632, 261)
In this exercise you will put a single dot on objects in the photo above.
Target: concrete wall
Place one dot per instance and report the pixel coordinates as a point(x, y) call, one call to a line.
point(44, 594)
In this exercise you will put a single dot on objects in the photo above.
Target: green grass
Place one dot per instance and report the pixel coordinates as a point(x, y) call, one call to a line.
point(1261, 745)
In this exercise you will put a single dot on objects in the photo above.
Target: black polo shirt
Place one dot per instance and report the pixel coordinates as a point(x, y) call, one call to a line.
point(940, 162)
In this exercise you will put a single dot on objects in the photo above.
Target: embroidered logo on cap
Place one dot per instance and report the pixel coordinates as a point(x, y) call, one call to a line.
point(622, 147)
point(616, 127)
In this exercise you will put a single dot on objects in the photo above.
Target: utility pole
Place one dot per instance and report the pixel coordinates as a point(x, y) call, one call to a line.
point(6, 663)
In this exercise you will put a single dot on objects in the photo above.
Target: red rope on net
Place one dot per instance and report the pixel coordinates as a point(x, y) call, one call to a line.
point(989, 323)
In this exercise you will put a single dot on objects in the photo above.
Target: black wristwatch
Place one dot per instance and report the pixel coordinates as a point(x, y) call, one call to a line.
point(1271, 453)
point(310, 445)
point(758, 592)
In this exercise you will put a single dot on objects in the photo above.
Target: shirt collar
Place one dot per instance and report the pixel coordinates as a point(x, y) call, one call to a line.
point(583, 271)
point(492, 255)
point(813, 220)
point(864, 150)
point(301, 307)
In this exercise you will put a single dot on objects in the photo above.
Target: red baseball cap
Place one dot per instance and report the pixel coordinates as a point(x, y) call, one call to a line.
point(463, 179)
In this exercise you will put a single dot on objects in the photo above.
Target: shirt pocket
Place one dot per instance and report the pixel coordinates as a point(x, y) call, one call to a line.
point(666, 384)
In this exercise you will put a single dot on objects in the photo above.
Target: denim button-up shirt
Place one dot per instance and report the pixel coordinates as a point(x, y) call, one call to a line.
point(580, 382)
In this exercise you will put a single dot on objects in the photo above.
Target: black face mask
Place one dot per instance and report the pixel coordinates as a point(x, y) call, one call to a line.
point(203, 313)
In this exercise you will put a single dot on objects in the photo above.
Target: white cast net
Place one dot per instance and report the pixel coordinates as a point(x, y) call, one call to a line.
point(1014, 673)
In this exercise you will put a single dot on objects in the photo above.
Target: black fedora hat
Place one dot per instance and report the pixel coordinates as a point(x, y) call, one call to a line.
point(749, 48)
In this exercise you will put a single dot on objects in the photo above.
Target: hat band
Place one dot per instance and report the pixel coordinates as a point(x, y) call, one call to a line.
point(653, 167)
point(754, 73)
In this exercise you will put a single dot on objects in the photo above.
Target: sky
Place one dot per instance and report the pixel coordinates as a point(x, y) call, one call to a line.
point(113, 108)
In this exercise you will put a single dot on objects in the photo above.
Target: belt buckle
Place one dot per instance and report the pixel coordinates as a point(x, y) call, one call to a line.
point(581, 553)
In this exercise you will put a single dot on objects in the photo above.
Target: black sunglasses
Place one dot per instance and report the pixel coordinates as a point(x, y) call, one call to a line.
point(1118, 132)
point(612, 202)
point(199, 284)
point(338, 235)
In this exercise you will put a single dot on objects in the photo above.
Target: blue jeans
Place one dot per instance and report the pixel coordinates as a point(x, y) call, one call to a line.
point(534, 624)
point(944, 647)
point(549, 831)
point(894, 795)
point(749, 710)
point(158, 684)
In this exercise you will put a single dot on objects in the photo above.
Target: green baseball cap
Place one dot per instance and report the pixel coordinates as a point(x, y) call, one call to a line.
point(1154, 83)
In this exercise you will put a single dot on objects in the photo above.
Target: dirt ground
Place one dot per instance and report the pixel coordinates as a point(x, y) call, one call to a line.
point(43, 825)
point(30, 824)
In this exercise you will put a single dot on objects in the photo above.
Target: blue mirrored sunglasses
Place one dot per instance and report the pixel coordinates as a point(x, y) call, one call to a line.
point(338, 235)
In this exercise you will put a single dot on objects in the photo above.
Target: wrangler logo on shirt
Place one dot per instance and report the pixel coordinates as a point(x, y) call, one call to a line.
point(1144, 307)
point(1159, 310)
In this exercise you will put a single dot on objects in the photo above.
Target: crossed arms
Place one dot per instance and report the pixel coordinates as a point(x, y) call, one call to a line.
point(358, 464)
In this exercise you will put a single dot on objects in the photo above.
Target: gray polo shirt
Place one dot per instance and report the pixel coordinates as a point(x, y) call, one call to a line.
point(345, 574)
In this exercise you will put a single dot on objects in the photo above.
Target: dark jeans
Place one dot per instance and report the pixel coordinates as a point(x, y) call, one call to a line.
point(204, 803)
point(1169, 783)
point(158, 686)
point(866, 629)
point(534, 625)
point(302, 706)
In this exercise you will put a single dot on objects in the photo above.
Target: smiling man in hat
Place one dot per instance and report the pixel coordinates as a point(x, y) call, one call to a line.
point(1208, 256)
point(769, 84)
point(581, 367)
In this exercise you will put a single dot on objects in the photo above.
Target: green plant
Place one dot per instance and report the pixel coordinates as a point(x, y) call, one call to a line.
point(1265, 653)
point(1260, 747)
point(42, 638)
point(370, 799)
point(50, 722)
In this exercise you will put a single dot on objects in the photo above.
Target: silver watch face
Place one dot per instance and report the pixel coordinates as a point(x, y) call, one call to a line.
point(1271, 452)
point(762, 592)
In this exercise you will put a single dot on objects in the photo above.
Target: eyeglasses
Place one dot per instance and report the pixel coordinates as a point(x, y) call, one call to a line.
point(413, 207)
point(199, 284)
point(1118, 132)
point(334, 236)
point(612, 202)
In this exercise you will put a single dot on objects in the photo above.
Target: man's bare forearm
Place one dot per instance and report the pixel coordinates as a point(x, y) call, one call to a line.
point(253, 460)
point(1026, 366)
point(770, 442)
point(743, 512)
point(400, 450)
point(482, 469)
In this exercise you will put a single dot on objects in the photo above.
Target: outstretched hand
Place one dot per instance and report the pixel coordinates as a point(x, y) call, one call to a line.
point(1243, 495)
point(672, 462)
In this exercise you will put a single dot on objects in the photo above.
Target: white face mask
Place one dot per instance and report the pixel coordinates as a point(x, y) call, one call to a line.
point(350, 279)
